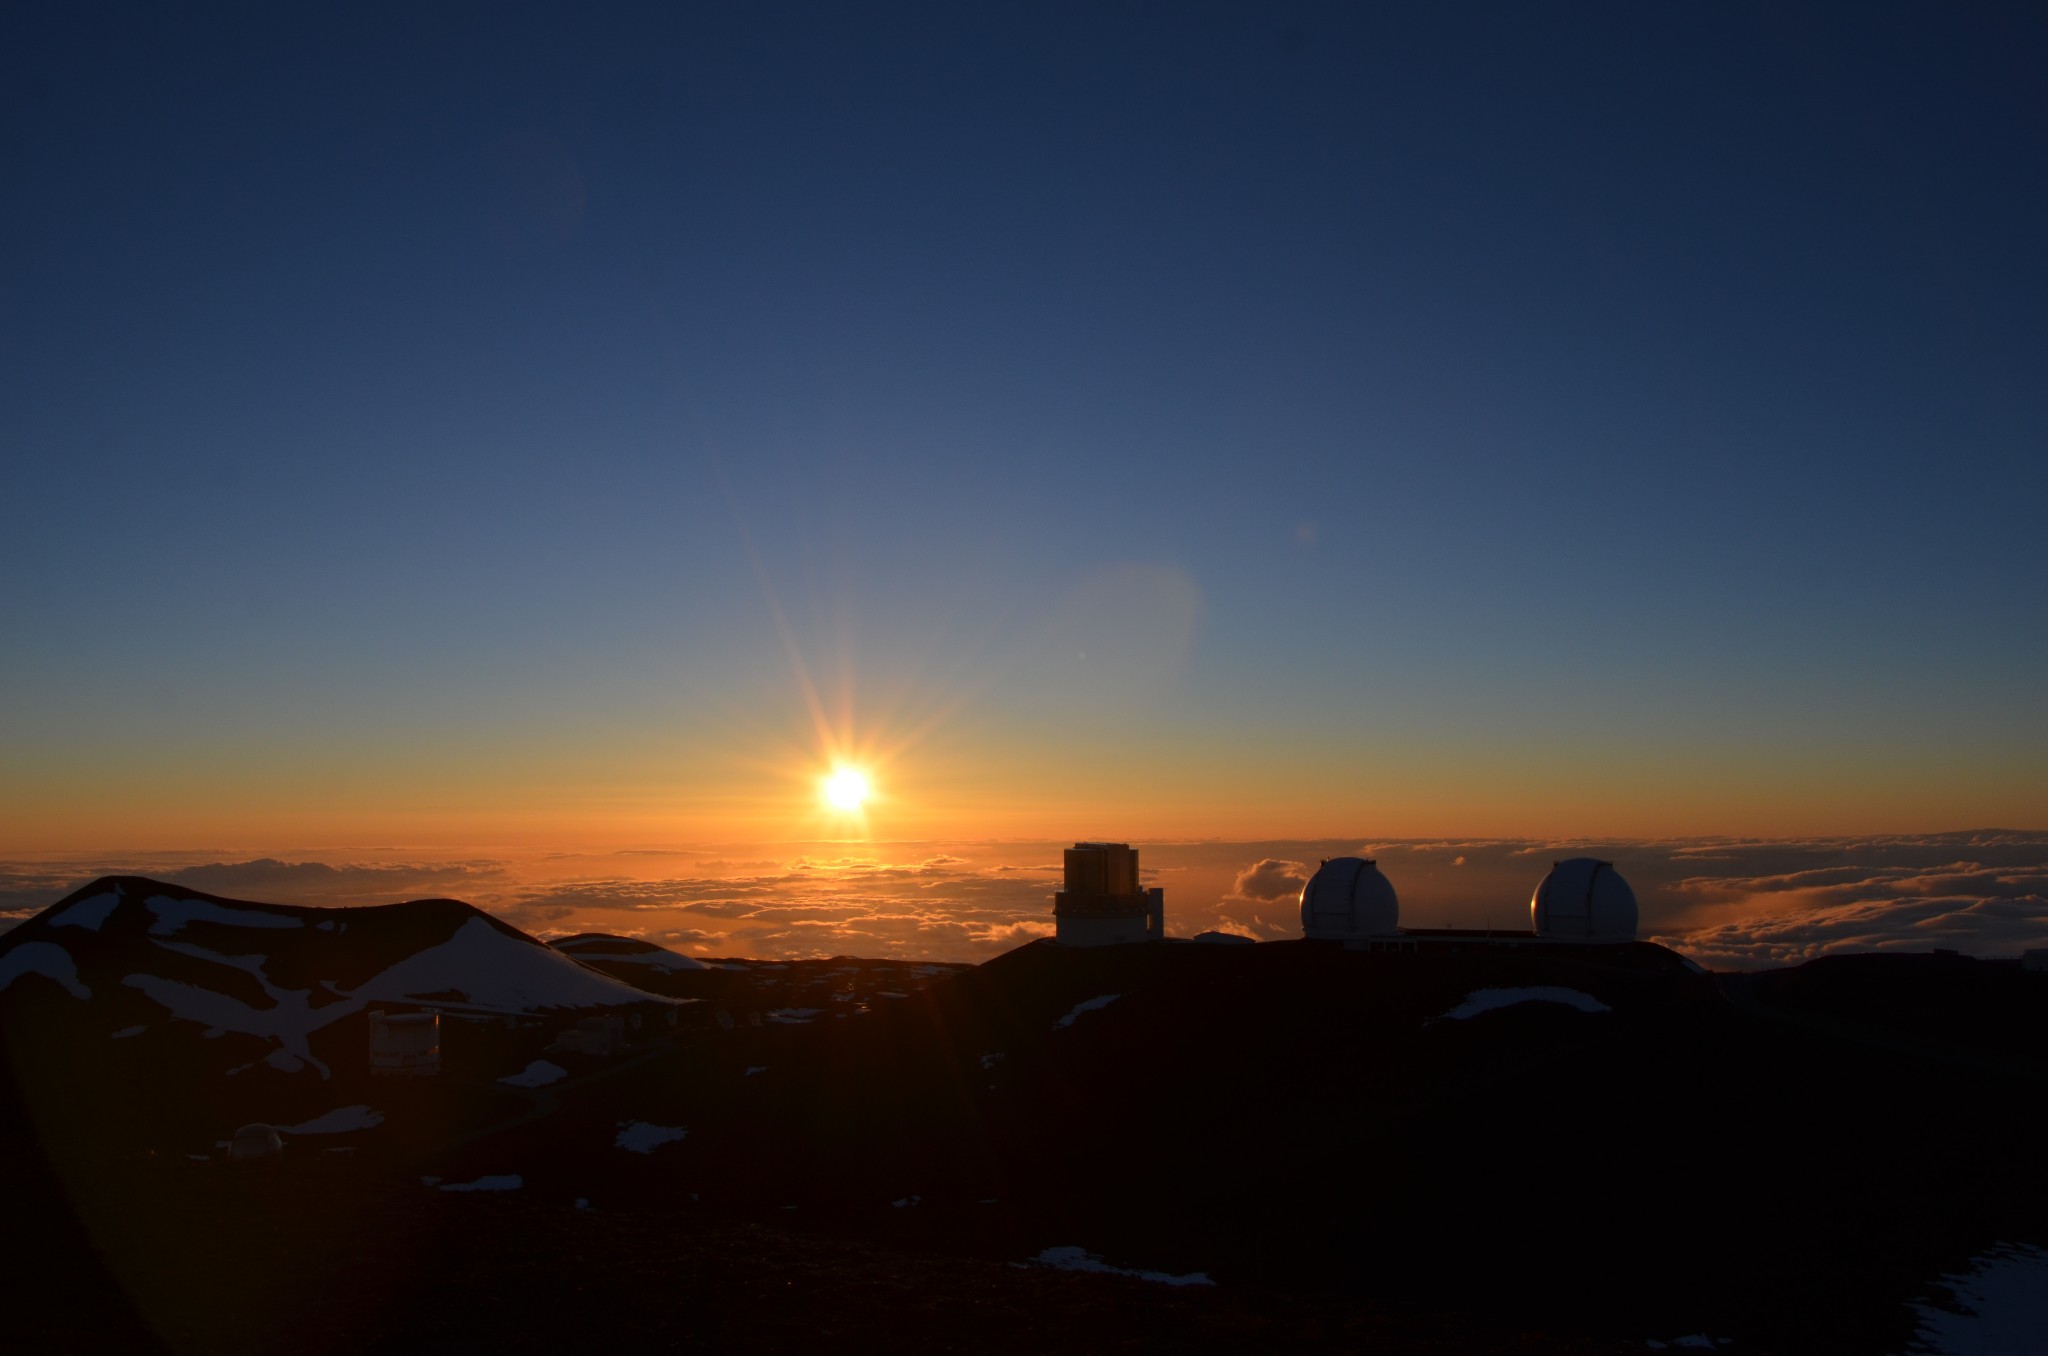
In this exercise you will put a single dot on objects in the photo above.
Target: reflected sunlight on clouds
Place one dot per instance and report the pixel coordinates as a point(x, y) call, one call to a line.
point(1265, 900)
point(1729, 903)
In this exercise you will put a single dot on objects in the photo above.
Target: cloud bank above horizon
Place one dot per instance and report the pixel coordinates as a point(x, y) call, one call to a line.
point(1728, 903)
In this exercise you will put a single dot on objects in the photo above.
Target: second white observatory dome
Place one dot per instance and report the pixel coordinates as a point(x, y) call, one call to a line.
point(1348, 897)
point(1584, 898)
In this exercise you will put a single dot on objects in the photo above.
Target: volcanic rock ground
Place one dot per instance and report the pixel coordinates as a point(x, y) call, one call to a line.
point(1477, 1149)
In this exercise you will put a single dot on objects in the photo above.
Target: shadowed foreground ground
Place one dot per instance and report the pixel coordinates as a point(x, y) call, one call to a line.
point(1462, 1147)
point(330, 1259)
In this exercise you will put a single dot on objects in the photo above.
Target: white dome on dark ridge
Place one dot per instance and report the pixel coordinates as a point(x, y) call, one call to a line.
point(1348, 897)
point(1584, 898)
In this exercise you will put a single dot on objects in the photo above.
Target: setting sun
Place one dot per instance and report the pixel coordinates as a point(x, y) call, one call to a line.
point(846, 790)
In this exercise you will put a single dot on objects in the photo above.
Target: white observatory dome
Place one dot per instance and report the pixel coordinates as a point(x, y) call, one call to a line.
point(1584, 898)
point(1348, 897)
point(258, 1143)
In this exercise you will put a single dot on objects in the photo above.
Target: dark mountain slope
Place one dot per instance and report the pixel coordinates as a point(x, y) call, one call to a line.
point(606, 946)
point(1314, 1121)
point(174, 1013)
point(321, 1260)
point(1597, 1142)
point(116, 925)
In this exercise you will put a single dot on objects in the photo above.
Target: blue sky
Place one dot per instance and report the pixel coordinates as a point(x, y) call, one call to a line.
point(1402, 405)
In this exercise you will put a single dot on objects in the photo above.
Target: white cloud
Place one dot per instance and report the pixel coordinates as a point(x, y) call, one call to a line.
point(1737, 903)
point(1798, 915)
point(1264, 900)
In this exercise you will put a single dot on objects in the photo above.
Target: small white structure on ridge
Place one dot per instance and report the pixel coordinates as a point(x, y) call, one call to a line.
point(1584, 899)
point(258, 1143)
point(1346, 898)
point(1103, 905)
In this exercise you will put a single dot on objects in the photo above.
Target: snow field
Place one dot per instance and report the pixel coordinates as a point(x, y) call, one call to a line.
point(172, 914)
point(640, 1137)
point(47, 959)
point(340, 1121)
point(1080, 1259)
point(538, 1074)
point(88, 913)
point(2001, 1307)
point(510, 1181)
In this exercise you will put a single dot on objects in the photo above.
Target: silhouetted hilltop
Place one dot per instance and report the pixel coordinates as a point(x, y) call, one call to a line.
point(635, 950)
point(1936, 1002)
point(135, 933)
point(631, 959)
point(171, 1006)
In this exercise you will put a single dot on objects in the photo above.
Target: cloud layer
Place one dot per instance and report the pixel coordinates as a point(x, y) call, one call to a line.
point(1729, 903)
point(1873, 902)
point(1264, 900)
point(940, 906)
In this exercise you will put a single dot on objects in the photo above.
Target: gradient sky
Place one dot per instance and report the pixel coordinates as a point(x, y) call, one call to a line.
point(506, 424)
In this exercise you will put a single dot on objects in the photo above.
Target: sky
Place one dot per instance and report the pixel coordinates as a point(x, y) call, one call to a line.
point(438, 433)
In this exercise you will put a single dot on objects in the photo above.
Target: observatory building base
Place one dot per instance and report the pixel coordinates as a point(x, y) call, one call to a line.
point(1103, 904)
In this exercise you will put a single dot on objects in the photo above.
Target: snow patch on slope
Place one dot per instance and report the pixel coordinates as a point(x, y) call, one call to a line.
point(339, 1121)
point(2000, 1307)
point(506, 1181)
point(1092, 1005)
point(1493, 1000)
point(247, 964)
point(660, 958)
point(289, 1021)
point(489, 968)
point(1080, 1259)
point(47, 959)
point(538, 1074)
point(173, 914)
point(88, 913)
point(642, 1138)
point(493, 970)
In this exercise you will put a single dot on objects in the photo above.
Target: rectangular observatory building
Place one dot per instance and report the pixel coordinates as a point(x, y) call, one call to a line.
point(1103, 904)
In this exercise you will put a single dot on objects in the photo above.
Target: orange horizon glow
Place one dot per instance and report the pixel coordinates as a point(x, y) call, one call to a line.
point(936, 801)
point(1006, 745)
point(938, 772)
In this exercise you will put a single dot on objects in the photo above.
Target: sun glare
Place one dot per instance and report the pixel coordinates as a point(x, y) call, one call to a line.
point(846, 790)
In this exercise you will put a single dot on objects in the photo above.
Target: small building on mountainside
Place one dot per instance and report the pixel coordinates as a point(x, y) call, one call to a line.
point(1103, 904)
point(601, 1035)
point(405, 1044)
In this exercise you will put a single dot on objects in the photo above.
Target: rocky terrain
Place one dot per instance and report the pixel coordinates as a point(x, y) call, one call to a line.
point(1176, 1146)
